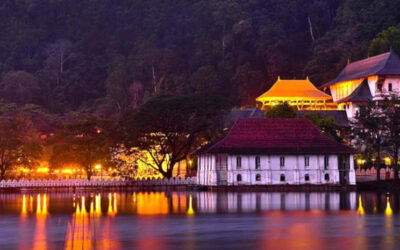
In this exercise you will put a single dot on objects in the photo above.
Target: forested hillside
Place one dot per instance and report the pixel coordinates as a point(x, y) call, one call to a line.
point(106, 56)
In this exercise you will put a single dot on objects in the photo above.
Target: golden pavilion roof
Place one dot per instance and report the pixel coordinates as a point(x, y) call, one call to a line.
point(293, 89)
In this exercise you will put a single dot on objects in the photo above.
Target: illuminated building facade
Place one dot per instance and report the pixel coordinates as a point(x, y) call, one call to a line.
point(368, 79)
point(301, 94)
point(275, 152)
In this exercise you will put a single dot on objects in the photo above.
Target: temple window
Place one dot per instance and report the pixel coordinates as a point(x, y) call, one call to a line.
point(258, 177)
point(326, 161)
point(258, 163)
point(307, 177)
point(306, 161)
point(326, 177)
point(390, 87)
point(238, 162)
point(239, 178)
point(282, 177)
point(357, 111)
point(282, 161)
point(379, 87)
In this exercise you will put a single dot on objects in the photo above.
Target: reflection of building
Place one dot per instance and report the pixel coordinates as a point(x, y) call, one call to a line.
point(233, 202)
point(275, 151)
point(301, 94)
point(365, 80)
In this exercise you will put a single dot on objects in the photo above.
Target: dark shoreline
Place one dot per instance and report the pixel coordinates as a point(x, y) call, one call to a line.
point(381, 186)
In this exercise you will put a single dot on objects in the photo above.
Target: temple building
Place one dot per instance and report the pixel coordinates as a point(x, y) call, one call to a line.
point(368, 79)
point(301, 94)
point(275, 152)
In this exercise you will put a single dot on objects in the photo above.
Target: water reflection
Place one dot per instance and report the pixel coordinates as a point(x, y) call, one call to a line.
point(164, 203)
point(360, 209)
point(388, 210)
point(112, 219)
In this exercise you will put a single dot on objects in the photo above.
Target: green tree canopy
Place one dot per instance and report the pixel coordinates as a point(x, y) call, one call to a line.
point(85, 141)
point(392, 119)
point(169, 128)
point(369, 131)
point(19, 142)
point(281, 111)
point(327, 125)
point(385, 41)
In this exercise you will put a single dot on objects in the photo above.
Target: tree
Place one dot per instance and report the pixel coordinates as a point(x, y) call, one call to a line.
point(385, 41)
point(281, 111)
point(327, 125)
point(19, 145)
point(57, 55)
point(85, 141)
point(392, 117)
point(128, 163)
point(369, 131)
point(20, 87)
point(169, 128)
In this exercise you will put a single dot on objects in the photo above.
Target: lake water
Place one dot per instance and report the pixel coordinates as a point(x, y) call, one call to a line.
point(199, 220)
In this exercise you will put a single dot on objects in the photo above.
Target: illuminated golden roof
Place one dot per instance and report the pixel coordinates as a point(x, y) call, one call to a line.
point(288, 89)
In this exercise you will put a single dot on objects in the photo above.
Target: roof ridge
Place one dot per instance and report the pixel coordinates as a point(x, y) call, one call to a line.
point(386, 61)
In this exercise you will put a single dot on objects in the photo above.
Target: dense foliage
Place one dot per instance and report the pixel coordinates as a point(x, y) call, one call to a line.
point(283, 110)
point(169, 128)
point(106, 56)
point(124, 59)
point(376, 132)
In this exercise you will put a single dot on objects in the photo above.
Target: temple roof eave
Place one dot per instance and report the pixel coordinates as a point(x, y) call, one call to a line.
point(263, 98)
point(380, 65)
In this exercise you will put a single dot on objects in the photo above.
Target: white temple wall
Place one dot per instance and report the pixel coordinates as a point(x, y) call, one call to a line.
point(270, 171)
point(395, 81)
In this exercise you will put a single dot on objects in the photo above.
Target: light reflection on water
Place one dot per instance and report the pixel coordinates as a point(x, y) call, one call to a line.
point(121, 220)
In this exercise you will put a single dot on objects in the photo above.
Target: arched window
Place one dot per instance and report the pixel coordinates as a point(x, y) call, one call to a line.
point(258, 177)
point(307, 177)
point(326, 177)
point(239, 178)
point(282, 177)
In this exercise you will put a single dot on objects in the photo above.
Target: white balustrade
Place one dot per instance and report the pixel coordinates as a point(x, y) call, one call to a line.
point(114, 182)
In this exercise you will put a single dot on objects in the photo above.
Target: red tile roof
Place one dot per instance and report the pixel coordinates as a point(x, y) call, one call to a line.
point(276, 136)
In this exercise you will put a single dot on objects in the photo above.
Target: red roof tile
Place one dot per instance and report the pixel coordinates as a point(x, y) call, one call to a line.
point(276, 136)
